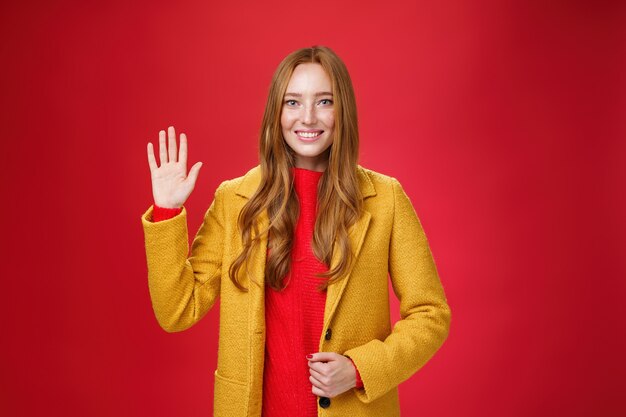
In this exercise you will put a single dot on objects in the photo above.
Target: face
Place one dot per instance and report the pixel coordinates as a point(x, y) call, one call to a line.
point(308, 117)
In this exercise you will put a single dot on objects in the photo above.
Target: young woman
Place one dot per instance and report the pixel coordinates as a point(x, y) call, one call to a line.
point(299, 250)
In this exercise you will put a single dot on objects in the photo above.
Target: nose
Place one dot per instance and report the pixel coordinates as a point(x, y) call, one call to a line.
point(310, 115)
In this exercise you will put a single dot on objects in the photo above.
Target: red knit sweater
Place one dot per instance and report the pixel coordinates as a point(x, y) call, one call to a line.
point(294, 316)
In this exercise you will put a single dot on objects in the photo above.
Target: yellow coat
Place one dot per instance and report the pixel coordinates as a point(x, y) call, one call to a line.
point(387, 239)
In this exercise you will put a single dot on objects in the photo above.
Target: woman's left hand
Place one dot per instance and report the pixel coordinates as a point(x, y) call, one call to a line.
point(331, 374)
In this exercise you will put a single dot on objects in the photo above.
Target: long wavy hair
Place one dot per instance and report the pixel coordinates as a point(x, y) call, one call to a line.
point(340, 201)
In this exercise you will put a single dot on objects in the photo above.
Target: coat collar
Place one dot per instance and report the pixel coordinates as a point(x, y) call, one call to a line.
point(356, 234)
point(252, 179)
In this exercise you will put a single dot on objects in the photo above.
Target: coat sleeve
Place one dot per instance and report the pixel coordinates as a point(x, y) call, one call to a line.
point(425, 314)
point(184, 287)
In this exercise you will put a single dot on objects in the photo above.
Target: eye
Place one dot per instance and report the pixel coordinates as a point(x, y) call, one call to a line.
point(288, 102)
point(327, 100)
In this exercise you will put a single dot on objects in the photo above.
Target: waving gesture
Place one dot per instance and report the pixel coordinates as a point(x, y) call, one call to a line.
point(171, 186)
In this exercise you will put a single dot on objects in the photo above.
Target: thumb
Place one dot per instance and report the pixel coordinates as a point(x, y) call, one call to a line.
point(194, 171)
point(323, 357)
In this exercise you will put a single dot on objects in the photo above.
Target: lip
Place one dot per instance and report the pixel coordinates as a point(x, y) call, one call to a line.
point(302, 138)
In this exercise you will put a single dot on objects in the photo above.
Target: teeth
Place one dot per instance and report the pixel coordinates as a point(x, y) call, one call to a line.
point(309, 134)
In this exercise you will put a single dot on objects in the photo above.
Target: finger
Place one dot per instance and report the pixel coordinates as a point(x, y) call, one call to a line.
point(316, 391)
point(193, 172)
point(151, 159)
point(320, 367)
point(316, 382)
point(182, 156)
point(324, 356)
point(318, 376)
point(162, 147)
point(171, 148)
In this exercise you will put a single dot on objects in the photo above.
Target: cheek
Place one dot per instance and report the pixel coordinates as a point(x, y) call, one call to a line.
point(330, 120)
point(286, 121)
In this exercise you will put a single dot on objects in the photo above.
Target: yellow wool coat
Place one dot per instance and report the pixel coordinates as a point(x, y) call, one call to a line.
point(388, 241)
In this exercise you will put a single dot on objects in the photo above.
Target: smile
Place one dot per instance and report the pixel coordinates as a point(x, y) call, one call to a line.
point(309, 135)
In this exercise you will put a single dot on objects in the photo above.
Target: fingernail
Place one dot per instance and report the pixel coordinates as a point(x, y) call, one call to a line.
point(309, 356)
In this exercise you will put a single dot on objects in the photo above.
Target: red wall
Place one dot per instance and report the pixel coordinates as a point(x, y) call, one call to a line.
point(503, 120)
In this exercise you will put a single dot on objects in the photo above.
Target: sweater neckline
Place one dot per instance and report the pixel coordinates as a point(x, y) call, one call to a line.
point(305, 171)
point(306, 182)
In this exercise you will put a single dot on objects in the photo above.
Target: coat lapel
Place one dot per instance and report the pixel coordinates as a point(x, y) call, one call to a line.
point(356, 234)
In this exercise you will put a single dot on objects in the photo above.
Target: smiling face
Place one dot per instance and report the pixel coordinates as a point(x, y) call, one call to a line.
point(308, 117)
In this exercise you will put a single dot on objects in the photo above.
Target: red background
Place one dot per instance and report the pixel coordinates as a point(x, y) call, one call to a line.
point(503, 120)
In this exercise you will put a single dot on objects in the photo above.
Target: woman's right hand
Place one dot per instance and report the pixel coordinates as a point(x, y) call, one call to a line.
point(171, 186)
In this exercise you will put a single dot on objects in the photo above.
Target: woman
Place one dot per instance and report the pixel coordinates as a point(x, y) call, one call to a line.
point(299, 250)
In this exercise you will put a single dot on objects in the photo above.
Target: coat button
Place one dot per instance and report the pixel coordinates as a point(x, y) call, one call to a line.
point(324, 402)
point(329, 333)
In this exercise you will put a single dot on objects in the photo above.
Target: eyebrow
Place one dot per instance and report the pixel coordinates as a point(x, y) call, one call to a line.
point(323, 93)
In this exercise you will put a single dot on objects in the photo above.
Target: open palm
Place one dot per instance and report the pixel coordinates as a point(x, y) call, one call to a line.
point(171, 186)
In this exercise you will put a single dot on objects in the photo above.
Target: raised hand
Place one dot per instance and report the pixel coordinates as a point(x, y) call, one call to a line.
point(171, 186)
